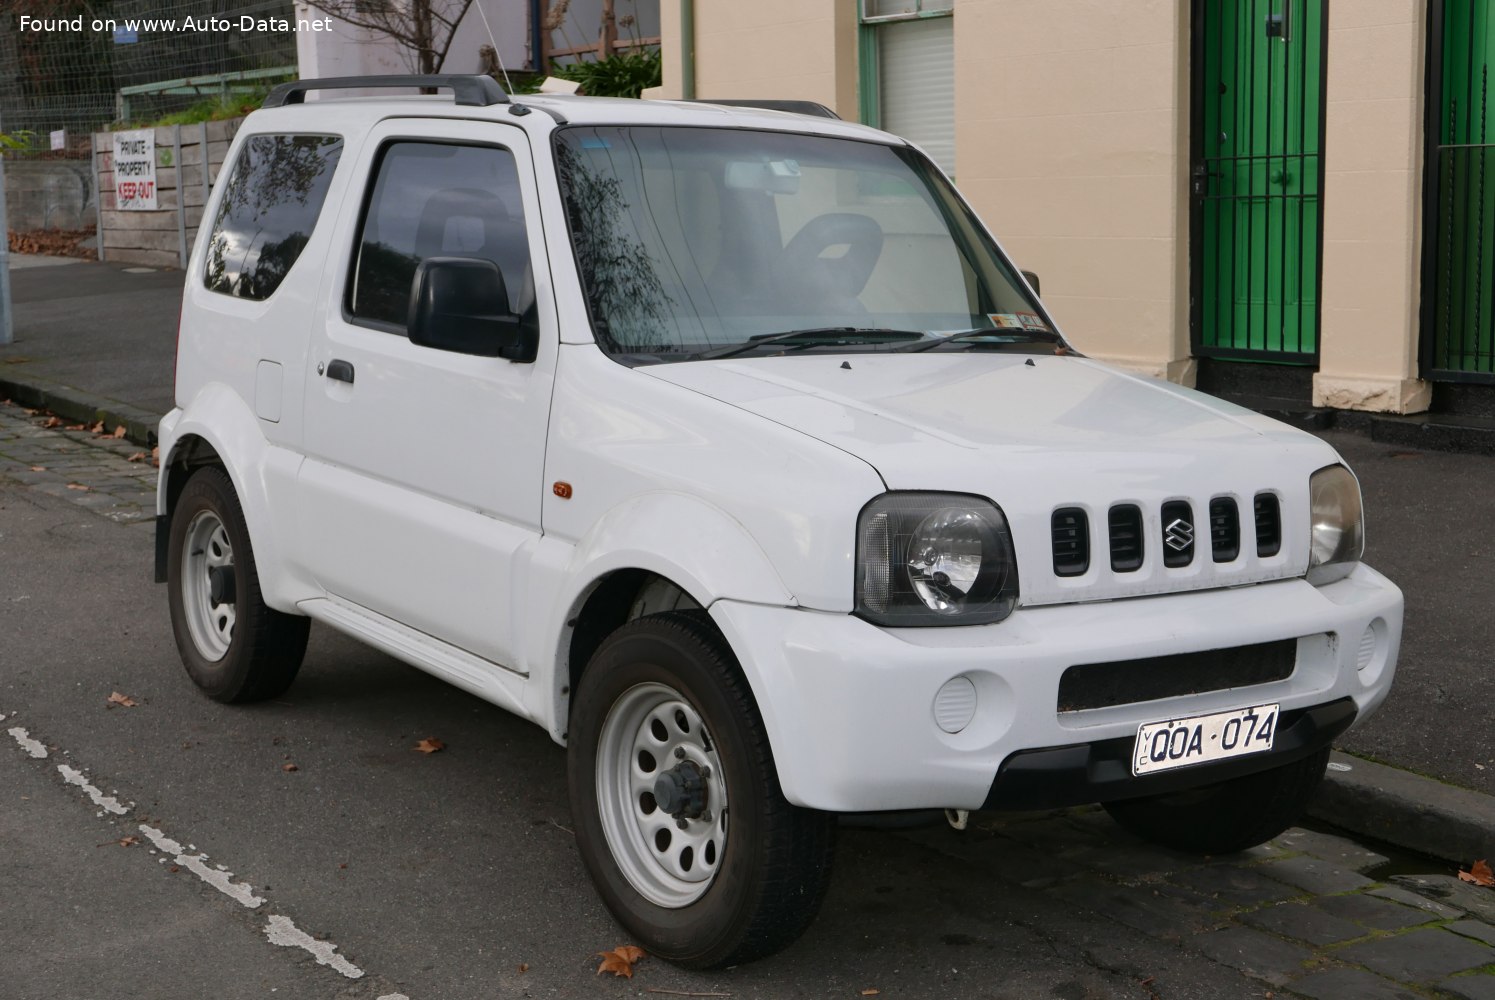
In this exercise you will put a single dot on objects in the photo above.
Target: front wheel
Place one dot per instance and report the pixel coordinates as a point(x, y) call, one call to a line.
point(1226, 817)
point(679, 816)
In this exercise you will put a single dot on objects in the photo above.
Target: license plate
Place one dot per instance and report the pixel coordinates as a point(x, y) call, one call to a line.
point(1162, 746)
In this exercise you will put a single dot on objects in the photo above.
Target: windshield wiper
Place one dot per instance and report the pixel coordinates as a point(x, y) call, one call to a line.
point(1006, 335)
point(814, 335)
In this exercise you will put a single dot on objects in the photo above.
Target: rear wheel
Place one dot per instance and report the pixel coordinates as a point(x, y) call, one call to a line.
point(1227, 817)
point(234, 646)
point(679, 816)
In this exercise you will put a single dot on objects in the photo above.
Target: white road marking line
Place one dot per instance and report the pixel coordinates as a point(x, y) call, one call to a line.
point(28, 744)
point(278, 929)
point(282, 931)
point(108, 803)
point(222, 880)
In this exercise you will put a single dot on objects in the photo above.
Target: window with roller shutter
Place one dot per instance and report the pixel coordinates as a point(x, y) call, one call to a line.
point(907, 77)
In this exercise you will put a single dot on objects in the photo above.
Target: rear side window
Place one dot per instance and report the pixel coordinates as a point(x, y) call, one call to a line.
point(437, 200)
point(270, 206)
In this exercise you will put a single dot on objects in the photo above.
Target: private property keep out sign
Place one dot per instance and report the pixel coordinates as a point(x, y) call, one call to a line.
point(135, 170)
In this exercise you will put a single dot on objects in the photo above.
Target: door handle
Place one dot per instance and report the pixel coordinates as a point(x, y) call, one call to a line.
point(340, 370)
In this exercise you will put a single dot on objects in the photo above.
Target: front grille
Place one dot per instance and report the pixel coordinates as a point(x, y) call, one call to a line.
point(1071, 540)
point(1178, 533)
point(1125, 524)
point(1268, 512)
point(1224, 529)
point(1123, 682)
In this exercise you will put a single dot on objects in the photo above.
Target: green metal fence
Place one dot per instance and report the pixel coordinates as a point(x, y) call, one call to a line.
point(1458, 319)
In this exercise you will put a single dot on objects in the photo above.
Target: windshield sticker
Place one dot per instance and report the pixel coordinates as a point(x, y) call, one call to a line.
point(1005, 321)
point(591, 143)
point(1030, 321)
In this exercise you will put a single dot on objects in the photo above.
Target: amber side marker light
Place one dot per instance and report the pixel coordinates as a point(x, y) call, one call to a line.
point(562, 490)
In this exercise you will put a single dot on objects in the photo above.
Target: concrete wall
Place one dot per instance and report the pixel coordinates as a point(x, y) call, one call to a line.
point(1372, 208)
point(48, 194)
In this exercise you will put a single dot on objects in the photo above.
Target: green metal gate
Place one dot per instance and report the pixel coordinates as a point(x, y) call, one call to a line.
point(1458, 301)
point(1258, 96)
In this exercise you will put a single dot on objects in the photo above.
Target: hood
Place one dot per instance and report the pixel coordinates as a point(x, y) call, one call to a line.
point(1037, 433)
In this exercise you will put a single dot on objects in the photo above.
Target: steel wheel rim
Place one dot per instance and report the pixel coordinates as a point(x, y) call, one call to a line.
point(668, 865)
point(210, 623)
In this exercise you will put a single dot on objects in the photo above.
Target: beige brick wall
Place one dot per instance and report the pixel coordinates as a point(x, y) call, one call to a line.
point(787, 49)
point(1071, 126)
point(1372, 210)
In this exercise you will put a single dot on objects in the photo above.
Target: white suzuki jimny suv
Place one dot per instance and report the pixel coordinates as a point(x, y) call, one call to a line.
point(726, 444)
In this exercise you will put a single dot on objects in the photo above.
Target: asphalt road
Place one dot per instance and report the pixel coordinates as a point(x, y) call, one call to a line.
point(374, 871)
point(1429, 516)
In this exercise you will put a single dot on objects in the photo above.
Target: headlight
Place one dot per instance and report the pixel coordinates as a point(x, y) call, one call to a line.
point(934, 559)
point(1338, 537)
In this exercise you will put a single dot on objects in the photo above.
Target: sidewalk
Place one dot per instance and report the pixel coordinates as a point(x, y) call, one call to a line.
point(94, 341)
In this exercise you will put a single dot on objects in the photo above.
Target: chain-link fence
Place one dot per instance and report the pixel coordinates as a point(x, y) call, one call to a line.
point(79, 65)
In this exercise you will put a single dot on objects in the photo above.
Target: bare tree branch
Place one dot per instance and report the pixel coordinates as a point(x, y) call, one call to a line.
point(423, 29)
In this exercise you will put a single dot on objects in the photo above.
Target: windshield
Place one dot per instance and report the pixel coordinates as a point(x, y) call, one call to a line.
point(692, 240)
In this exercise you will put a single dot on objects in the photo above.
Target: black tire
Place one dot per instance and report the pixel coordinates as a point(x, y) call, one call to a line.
point(266, 646)
point(775, 866)
point(1228, 817)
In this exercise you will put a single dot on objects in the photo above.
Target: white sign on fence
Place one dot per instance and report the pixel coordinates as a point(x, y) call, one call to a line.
point(59, 139)
point(135, 170)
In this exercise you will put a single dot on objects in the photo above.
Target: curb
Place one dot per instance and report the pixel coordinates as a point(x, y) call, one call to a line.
point(82, 407)
point(1406, 810)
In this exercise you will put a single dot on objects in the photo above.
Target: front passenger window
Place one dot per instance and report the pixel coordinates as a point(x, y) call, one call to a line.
point(438, 200)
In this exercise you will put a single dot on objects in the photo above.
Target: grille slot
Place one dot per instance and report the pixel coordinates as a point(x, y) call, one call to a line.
point(1268, 511)
point(1178, 533)
point(1127, 549)
point(1070, 528)
point(1124, 682)
point(1225, 529)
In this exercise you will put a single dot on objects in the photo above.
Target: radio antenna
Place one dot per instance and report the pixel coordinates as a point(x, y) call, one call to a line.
point(494, 42)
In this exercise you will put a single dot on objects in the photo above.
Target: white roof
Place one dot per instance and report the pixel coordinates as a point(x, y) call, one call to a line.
point(354, 112)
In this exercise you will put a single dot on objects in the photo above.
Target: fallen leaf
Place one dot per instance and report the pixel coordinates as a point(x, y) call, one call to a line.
point(1480, 874)
point(52, 422)
point(620, 960)
point(173, 868)
point(98, 428)
point(429, 745)
point(871, 991)
point(121, 699)
point(139, 456)
point(76, 427)
point(155, 452)
point(43, 468)
point(79, 487)
point(122, 842)
point(121, 431)
point(343, 865)
point(523, 966)
point(289, 767)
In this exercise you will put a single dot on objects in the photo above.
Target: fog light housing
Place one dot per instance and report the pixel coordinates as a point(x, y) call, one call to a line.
point(955, 704)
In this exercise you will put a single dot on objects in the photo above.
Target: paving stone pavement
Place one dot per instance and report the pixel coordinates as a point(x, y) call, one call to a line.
point(89, 469)
point(1307, 914)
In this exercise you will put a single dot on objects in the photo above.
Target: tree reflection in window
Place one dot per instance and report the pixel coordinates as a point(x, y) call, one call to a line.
point(628, 301)
point(268, 211)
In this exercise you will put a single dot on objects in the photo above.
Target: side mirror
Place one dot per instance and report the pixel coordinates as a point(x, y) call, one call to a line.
point(1033, 280)
point(460, 304)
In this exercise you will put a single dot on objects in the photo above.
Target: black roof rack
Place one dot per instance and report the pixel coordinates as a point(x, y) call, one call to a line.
point(472, 91)
point(797, 107)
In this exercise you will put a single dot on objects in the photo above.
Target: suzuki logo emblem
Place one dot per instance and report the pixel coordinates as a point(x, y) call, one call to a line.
point(1179, 535)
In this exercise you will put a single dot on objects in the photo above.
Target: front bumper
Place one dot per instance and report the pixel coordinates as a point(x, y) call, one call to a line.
point(850, 707)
